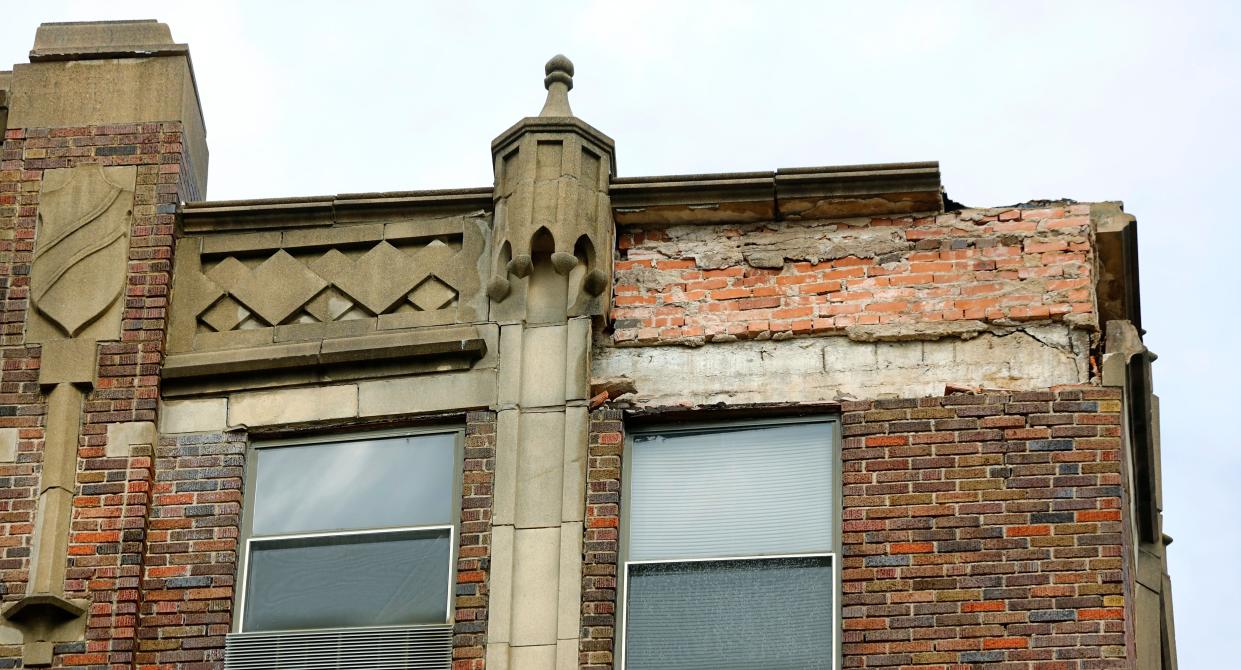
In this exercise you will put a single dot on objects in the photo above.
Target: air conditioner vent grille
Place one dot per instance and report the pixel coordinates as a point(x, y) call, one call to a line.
point(392, 648)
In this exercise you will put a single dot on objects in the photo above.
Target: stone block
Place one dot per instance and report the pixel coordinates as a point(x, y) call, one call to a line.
point(901, 355)
point(536, 558)
point(510, 364)
point(193, 416)
point(573, 490)
point(566, 654)
point(497, 655)
point(543, 366)
point(8, 445)
point(230, 244)
point(124, 437)
point(267, 408)
point(428, 393)
point(569, 616)
point(540, 466)
point(71, 361)
point(500, 605)
point(577, 359)
point(333, 236)
point(540, 657)
point(507, 425)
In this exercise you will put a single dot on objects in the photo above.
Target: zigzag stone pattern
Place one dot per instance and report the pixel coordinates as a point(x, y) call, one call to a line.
point(343, 281)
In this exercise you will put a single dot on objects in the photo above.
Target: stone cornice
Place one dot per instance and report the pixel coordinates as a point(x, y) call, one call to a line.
point(241, 215)
point(788, 193)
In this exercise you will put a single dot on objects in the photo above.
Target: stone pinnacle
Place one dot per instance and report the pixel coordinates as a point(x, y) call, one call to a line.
point(559, 81)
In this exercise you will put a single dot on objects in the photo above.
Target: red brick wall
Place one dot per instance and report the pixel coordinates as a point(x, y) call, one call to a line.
point(977, 531)
point(1001, 266)
point(110, 508)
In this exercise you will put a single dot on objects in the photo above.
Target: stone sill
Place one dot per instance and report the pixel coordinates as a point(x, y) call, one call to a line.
point(439, 349)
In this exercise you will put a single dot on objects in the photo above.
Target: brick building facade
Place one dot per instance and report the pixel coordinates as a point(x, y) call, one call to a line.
point(814, 417)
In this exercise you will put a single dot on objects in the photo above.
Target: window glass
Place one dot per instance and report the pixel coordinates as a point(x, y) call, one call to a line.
point(722, 615)
point(351, 534)
point(377, 483)
point(729, 548)
point(724, 493)
point(344, 581)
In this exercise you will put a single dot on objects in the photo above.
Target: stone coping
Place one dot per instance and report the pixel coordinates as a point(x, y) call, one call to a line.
point(792, 193)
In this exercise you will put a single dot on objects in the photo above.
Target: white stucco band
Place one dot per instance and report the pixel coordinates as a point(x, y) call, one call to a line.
point(834, 368)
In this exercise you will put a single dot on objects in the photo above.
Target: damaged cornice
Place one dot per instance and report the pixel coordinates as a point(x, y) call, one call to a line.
point(785, 194)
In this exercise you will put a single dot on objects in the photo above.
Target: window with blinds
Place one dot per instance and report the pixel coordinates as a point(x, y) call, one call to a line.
point(348, 554)
point(729, 547)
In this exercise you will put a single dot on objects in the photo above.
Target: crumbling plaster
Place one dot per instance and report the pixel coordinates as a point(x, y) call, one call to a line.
point(831, 369)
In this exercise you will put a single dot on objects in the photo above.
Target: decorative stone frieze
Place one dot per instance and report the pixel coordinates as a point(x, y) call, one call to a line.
point(248, 289)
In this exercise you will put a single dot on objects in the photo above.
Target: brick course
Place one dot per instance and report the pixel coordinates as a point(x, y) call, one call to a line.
point(474, 550)
point(995, 266)
point(600, 546)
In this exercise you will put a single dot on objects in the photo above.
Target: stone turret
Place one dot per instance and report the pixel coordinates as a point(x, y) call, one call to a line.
point(551, 201)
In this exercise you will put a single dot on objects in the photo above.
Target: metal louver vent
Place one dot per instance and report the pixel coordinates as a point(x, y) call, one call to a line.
point(396, 648)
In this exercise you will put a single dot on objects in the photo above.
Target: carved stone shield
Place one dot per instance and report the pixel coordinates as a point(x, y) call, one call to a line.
point(81, 249)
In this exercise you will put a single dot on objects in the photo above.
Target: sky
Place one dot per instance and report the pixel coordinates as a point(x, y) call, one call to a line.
point(1133, 101)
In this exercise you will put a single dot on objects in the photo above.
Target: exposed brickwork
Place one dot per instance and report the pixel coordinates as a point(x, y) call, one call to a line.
point(1005, 266)
point(191, 552)
point(474, 552)
point(984, 531)
point(113, 494)
point(600, 547)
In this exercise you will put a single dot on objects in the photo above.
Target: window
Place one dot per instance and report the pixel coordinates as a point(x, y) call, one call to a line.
point(729, 547)
point(352, 533)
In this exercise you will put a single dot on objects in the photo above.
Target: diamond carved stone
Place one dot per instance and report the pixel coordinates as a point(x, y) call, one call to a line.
point(432, 294)
point(224, 315)
point(274, 290)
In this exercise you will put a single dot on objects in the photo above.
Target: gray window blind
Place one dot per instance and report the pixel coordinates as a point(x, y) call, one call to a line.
point(738, 492)
point(773, 613)
point(342, 581)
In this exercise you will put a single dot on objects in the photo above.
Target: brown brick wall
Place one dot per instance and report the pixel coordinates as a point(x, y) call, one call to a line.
point(600, 546)
point(1005, 266)
point(191, 558)
point(474, 551)
point(113, 494)
point(977, 531)
point(985, 530)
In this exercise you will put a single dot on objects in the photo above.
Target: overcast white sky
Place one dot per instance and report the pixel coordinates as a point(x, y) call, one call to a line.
point(1131, 101)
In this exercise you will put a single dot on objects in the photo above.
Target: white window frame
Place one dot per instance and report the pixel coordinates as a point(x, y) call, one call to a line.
point(623, 563)
point(247, 539)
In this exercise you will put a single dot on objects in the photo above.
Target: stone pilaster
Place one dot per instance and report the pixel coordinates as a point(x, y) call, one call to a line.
point(553, 242)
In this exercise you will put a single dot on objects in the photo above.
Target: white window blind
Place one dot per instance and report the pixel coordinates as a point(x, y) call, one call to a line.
point(741, 492)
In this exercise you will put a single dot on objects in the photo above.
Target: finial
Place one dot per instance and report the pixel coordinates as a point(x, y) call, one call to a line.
point(558, 82)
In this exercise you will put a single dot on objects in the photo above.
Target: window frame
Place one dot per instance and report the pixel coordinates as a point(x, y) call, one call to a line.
point(246, 537)
point(723, 425)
